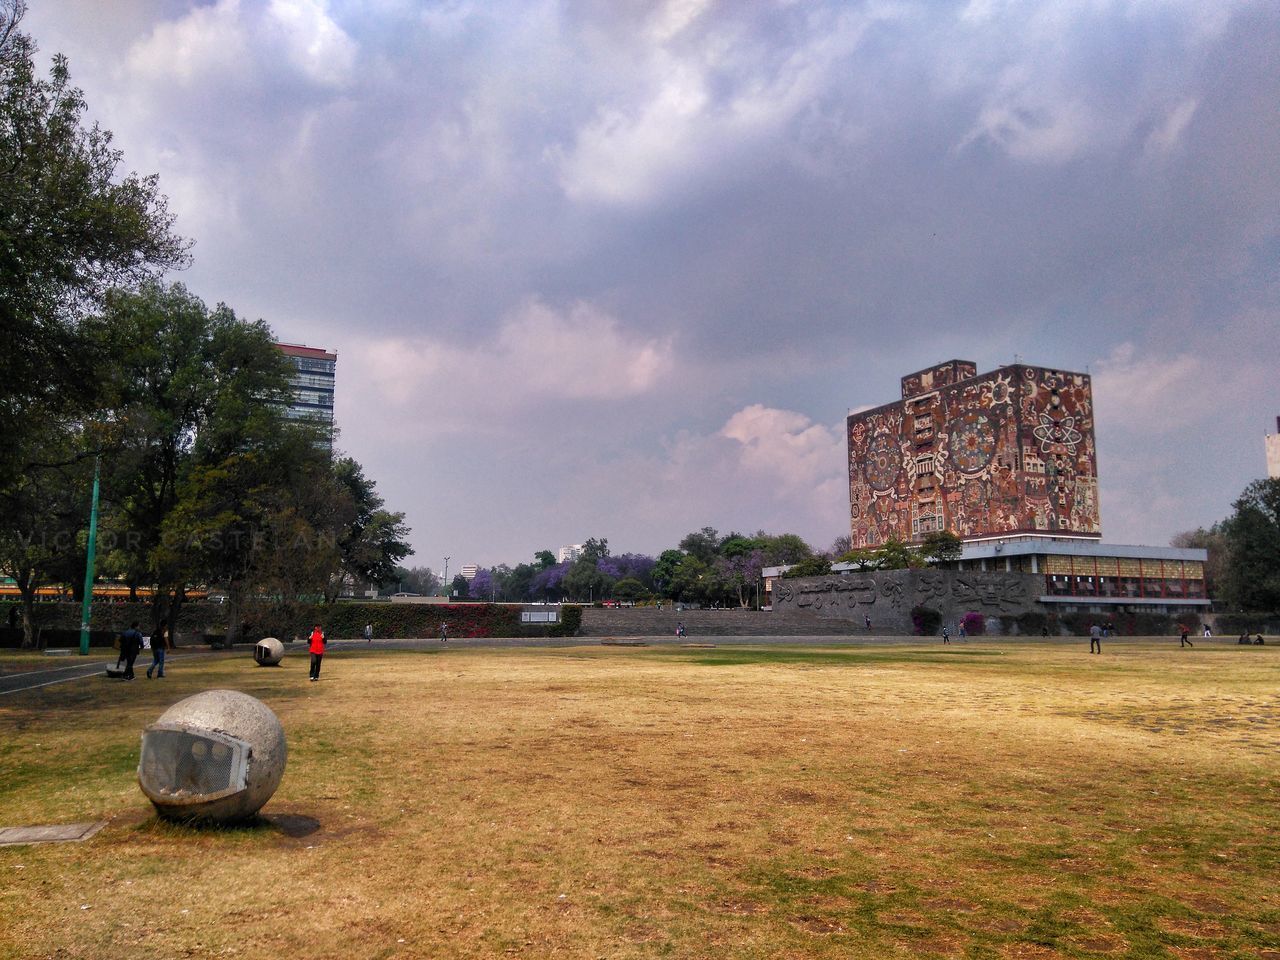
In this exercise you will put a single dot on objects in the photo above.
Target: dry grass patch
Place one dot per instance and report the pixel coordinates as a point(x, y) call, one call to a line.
point(1000, 800)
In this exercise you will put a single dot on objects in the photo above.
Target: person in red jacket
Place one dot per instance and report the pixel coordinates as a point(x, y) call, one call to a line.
point(317, 652)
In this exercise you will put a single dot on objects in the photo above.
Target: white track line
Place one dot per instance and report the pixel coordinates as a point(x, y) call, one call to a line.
point(47, 683)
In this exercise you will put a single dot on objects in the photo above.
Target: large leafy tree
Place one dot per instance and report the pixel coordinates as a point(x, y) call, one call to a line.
point(42, 518)
point(72, 226)
point(1213, 540)
point(187, 388)
point(1251, 580)
point(375, 539)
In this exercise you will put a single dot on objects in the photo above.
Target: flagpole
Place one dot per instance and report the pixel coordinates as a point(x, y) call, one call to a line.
point(88, 567)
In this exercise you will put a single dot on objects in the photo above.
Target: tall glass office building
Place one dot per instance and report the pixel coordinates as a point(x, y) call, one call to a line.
point(312, 382)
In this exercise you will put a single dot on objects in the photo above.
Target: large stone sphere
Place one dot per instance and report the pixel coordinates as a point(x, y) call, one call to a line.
point(217, 757)
point(268, 652)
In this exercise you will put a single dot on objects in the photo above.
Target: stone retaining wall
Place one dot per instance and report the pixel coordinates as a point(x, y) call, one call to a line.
point(887, 597)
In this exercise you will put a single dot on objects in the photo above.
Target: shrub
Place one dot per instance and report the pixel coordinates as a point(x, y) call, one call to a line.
point(1033, 623)
point(925, 621)
point(975, 624)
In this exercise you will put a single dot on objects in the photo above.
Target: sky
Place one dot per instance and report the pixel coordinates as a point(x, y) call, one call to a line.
point(621, 268)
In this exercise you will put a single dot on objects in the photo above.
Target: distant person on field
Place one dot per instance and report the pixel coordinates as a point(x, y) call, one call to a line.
point(368, 633)
point(1044, 632)
point(960, 631)
point(1207, 632)
point(317, 652)
point(1186, 634)
point(867, 618)
point(130, 646)
point(946, 636)
point(1259, 641)
point(444, 632)
point(1095, 638)
point(159, 644)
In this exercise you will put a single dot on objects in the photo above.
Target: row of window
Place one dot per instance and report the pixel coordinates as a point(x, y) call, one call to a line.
point(1118, 587)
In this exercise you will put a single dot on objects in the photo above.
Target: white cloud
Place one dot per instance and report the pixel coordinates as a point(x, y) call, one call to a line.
point(208, 40)
point(1168, 134)
point(694, 112)
point(538, 356)
point(1157, 393)
point(789, 448)
point(314, 43)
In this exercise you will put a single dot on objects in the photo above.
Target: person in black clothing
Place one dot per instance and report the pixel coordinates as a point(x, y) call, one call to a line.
point(159, 644)
point(1186, 636)
point(130, 647)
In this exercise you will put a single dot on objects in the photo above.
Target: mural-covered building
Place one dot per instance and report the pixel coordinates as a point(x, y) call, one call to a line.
point(992, 456)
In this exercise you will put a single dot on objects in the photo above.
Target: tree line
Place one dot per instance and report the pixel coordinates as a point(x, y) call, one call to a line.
point(179, 410)
point(704, 568)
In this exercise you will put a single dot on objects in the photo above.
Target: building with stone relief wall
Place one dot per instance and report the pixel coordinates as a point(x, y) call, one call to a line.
point(1006, 461)
point(1006, 452)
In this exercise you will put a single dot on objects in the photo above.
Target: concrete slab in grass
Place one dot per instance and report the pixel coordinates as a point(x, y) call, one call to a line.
point(55, 833)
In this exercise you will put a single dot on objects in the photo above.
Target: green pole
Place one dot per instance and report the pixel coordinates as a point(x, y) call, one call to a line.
point(88, 567)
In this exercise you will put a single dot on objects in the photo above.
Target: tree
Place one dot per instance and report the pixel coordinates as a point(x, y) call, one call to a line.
point(703, 544)
point(186, 388)
point(1214, 542)
point(942, 546)
point(460, 589)
point(374, 540)
point(810, 567)
point(584, 580)
point(42, 518)
point(689, 580)
point(545, 558)
point(72, 226)
point(1251, 579)
point(595, 550)
point(483, 586)
point(629, 589)
point(841, 545)
point(785, 548)
point(664, 571)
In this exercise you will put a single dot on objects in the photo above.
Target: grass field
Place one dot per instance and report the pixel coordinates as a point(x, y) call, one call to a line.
point(988, 800)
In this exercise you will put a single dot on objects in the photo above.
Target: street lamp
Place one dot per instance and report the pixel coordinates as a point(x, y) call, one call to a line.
point(446, 576)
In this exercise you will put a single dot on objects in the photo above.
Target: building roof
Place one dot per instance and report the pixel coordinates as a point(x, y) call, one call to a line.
point(311, 353)
point(989, 549)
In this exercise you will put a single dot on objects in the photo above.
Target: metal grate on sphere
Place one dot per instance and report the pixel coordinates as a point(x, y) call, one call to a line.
point(181, 764)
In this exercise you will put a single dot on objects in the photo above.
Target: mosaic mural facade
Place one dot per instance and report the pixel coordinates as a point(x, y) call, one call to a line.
point(1010, 451)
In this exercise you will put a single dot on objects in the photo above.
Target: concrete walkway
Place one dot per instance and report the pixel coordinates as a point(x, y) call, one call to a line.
point(91, 666)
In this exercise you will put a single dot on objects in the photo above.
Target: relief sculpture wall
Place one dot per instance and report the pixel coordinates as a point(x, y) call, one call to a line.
point(888, 596)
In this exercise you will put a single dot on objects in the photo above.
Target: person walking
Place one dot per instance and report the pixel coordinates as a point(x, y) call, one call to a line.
point(444, 632)
point(130, 647)
point(867, 617)
point(1208, 634)
point(1186, 636)
point(317, 652)
point(159, 644)
point(368, 633)
point(946, 637)
point(1095, 638)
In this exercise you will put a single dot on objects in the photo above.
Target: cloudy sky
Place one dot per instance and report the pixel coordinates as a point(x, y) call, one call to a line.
point(620, 268)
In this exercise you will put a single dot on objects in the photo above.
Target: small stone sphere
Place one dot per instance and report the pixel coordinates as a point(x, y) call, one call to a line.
point(215, 757)
point(268, 652)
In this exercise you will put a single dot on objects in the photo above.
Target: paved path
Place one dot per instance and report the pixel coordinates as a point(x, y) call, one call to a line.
point(90, 666)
